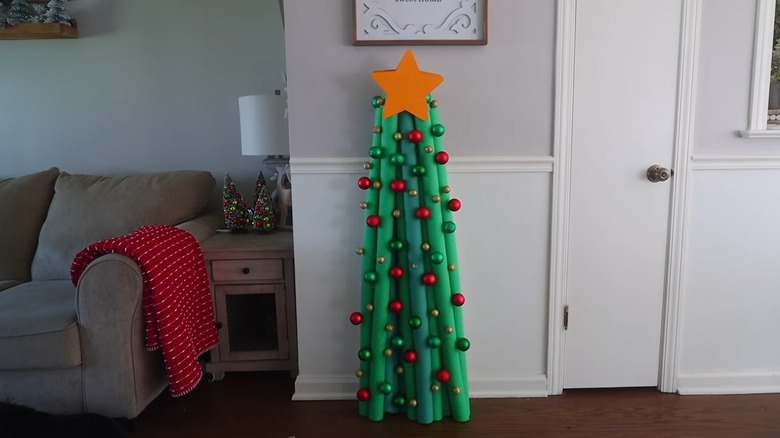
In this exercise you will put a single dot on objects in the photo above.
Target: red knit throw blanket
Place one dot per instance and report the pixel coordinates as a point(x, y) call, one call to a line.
point(178, 311)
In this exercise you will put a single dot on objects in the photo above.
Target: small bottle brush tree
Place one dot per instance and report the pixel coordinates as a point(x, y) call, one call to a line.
point(263, 215)
point(57, 12)
point(233, 206)
point(412, 344)
point(20, 12)
point(3, 15)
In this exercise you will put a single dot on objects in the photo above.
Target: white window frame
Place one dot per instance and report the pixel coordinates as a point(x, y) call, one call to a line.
point(762, 64)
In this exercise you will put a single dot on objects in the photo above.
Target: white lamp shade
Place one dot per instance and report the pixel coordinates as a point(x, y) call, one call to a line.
point(263, 125)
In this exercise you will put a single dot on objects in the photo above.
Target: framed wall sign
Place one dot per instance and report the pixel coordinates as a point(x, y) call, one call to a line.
point(419, 22)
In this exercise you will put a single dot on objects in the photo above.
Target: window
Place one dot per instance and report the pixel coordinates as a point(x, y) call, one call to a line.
point(765, 95)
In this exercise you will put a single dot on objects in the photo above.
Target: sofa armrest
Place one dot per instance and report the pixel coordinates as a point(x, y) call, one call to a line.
point(120, 378)
point(203, 226)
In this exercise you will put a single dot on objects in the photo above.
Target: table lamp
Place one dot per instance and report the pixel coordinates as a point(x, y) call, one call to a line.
point(264, 132)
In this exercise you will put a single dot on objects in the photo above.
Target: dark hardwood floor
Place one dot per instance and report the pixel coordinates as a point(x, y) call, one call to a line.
point(259, 405)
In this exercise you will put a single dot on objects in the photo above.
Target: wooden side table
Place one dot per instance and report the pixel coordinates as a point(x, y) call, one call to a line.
point(253, 290)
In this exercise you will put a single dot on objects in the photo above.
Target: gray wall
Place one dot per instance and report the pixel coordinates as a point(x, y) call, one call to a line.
point(147, 86)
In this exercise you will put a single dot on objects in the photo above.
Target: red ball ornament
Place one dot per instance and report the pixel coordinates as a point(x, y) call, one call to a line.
point(415, 136)
point(398, 185)
point(442, 157)
point(458, 299)
point(356, 318)
point(395, 306)
point(364, 182)
point(454, 204)
point(396, 272)
point(373, 221)
point(443, 376)
point(363, 394)
point(429, 279)
point(423, 213)
point(410, 356)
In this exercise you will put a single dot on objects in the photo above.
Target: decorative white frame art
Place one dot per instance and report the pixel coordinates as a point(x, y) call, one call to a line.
point(419, 22)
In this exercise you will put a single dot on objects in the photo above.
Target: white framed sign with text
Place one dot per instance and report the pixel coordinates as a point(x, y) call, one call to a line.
point(420, 22)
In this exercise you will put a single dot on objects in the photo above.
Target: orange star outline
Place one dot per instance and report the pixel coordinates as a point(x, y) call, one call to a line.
point(407, 87)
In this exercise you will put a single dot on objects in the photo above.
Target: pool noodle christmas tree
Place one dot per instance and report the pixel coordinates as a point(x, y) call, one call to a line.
point(412, 355)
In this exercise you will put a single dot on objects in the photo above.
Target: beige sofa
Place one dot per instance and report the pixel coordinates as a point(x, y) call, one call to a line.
point(66, 349)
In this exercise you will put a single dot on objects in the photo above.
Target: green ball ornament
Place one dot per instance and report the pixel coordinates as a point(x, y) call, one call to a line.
point(375, 152)
point(449, 227)
point(396, 245)
point(397, 159)
point(415, 322)
point(377, 101)
point(397, 342)
point(434, 341)
point(418, 170)
point(437, 130)
point(369, 277)
point(462, 344)
point(364, 354)
point(399, 401)
point(437, 258)
point(385, 388)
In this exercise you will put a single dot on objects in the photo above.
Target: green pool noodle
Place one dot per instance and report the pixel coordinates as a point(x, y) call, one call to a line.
point(442, 290)
point(452, 253)
point(379, 335)
point(367, 264)
point(417, 292)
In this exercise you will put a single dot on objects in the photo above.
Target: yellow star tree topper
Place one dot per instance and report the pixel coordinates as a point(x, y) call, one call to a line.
point(407, 87)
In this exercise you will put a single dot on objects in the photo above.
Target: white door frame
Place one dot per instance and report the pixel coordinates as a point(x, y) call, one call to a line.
point(562, 144)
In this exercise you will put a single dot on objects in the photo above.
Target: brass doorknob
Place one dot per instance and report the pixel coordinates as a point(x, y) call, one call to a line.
point(656, 173)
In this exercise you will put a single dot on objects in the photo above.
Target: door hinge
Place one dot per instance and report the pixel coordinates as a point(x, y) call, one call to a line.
point(566, 317)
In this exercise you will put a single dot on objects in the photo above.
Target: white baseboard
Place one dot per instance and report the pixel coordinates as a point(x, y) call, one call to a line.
point(728, 383)
point(345, 387)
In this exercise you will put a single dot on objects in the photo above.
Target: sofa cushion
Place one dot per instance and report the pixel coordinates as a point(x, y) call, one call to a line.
point(38, 328)
point(89, 208)
point(5, 284)
point(24, 202)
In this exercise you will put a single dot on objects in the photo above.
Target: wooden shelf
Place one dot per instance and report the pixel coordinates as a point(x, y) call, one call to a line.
point(32, 31)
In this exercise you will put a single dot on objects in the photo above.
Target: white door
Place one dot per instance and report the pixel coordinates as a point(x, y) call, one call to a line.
point(625, 89)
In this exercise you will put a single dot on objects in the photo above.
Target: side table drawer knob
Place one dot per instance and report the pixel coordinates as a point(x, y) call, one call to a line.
point(245, 271)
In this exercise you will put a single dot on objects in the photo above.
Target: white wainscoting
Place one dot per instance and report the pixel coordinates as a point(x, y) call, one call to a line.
point(503, 246)
point(730, 330)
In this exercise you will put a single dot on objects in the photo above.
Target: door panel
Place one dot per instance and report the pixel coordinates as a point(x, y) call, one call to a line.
point(625, 90)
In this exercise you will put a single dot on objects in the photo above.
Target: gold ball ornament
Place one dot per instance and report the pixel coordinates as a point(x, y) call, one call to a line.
point(413, 192)
point(436, 198)
point(434, 104)
point(360, 251)
point(381, 259)
point(388, 352)
point(389, 327)
point(426, 246)
point(397, 213)
point(377, 129)
point(370, 307)
point(435, 313)
point(451, 266)
point(449, 329)
point(359, 373)
point(415, 266)
point(429, 149)
point(397, 136)
point(377, 184)
point(413, 403)
point(399, 369)
point(367, 166)
point(435, 387)
point(456, 390)
point(364, 205)
point(446, 189)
